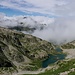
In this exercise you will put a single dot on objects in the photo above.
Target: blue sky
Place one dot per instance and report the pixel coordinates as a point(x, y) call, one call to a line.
point(12, 12)
point(28, 7)
point(49, 8)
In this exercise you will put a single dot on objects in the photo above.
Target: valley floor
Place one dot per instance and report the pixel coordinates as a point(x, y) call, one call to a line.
point(70, 55)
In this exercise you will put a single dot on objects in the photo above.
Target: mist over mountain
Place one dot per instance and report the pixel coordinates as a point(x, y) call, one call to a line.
point(56, 30)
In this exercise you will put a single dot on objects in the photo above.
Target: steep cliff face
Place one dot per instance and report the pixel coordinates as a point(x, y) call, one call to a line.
point(22, 51)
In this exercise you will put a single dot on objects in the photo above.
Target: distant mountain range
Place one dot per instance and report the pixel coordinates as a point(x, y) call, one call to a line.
point(27, 24)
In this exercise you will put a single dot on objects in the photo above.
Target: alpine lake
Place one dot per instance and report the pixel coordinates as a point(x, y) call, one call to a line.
point(53, 58)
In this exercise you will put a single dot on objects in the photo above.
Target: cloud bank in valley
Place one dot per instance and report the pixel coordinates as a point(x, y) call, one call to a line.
point(60, 31)
point(57, 30)
point(63, 27)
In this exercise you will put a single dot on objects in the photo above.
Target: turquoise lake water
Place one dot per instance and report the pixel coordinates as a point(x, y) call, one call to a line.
point(53, 58)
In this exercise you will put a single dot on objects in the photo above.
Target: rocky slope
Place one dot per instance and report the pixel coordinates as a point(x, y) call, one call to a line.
point(70, 45)
point(22, 51)
point(69, 49)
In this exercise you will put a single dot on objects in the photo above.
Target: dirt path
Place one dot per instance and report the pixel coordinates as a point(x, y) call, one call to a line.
point(34, 72)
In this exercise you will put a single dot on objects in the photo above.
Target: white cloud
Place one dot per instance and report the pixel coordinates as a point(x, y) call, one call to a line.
point(30, 21)
point(39, 6)
point(57, 30)
point(43, 19)
point(2, 16)
point(50, 7)
point(66, 10)
point(61, 31)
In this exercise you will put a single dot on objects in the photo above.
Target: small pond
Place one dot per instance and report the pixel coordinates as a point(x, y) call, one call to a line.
point(53, 58)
